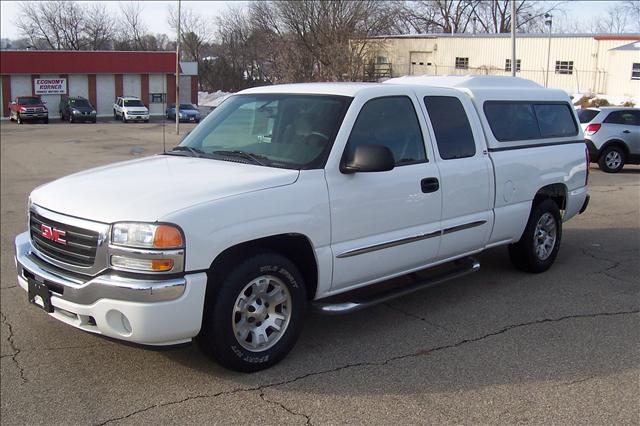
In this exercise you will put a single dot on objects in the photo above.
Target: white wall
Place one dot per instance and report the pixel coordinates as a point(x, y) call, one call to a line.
point(157, 84)
point(105, 94)
point(20, 86)
point(78, 85)
point(131, 85)
point(185, 89)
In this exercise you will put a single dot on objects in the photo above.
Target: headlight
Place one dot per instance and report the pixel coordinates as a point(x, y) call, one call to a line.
point(147, 235)
point(146, 247)
point(23, 109)
point(75, 111)
point(93, 112)
point(181, 115)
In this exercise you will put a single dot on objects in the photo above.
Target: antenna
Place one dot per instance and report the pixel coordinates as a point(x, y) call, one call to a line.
point(164, 113)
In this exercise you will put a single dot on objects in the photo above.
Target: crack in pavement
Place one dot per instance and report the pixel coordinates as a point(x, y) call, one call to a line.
point(288, 410)
point(414, 316)
point(605, 271)
point(419, 353)
point(13, 347)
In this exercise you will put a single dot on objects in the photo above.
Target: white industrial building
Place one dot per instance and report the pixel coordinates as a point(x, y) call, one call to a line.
point(608, 64)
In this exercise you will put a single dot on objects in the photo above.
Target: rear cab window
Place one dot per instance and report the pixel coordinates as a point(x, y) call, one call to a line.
point(451, 127)
point(522, 120)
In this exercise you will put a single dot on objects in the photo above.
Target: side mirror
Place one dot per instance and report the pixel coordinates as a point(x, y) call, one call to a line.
point(369, 158)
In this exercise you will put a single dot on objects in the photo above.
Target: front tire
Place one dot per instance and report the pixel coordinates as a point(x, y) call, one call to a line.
point(538, 247)
point(254, 313)
point(612, 159)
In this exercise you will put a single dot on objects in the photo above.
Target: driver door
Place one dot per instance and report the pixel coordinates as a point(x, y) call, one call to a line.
point(385, 223)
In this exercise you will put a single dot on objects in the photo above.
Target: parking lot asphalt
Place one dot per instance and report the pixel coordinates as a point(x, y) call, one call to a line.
point(495, 347)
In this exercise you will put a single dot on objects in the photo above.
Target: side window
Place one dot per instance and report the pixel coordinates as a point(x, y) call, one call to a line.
point(514, 120)
point(392, 122)
point(621, 117)
point(555, 120)
point(451, 127)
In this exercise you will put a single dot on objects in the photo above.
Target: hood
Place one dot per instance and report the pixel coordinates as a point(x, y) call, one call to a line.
point(150, 188)
point(32, 105)
point(189, 112)
point(82, 109)
point(135, 109)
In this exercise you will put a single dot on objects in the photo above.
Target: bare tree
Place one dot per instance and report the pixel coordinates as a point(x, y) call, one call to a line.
point(132, 27)
point(196, 32)
point(436, 16)
point(632, 7)
point(99, 27)
point(619, 17)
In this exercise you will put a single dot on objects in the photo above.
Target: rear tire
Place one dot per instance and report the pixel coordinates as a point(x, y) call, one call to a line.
point(612, 159)
point(540, 242)
point(253, 313)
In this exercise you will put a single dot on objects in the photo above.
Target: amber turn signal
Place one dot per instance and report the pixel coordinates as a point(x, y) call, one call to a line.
point(167, 236)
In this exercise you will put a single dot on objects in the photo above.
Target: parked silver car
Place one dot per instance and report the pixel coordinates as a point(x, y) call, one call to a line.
point(612, 135)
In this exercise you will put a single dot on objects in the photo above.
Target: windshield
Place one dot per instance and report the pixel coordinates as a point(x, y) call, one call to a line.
point(586, 115)
point(79, 103)
point(133, 102)
point(30, 100)
point(187, 107)
point(278, 130)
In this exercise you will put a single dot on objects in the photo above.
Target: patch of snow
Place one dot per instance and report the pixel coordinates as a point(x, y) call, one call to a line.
point(212, 99)
point(612, 99)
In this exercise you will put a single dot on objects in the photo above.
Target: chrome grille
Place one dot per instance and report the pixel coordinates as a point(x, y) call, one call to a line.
point(81, 244)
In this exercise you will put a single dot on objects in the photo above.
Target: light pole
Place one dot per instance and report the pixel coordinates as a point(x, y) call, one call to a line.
point(548, 20)
point(513, 38)
point(177, 104)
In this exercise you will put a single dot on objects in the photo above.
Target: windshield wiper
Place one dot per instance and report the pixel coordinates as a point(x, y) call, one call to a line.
point(256, 159)
point(195, 152)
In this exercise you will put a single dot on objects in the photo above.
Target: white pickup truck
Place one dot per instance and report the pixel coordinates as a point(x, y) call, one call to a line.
point(296, 195)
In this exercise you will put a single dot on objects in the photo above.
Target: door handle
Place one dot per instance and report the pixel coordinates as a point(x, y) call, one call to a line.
point(429, 185)
point(626, 131)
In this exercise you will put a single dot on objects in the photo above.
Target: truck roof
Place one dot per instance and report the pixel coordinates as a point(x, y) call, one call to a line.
point(479, 87)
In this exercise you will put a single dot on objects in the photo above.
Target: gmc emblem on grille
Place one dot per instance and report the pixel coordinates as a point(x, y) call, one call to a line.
point(53, 234)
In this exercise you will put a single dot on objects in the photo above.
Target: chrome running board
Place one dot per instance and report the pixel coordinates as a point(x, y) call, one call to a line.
point(350, 302)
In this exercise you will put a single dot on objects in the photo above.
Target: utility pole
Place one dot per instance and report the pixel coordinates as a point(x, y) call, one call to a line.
point(548, 20)
point(513, 38)
point(177, 104)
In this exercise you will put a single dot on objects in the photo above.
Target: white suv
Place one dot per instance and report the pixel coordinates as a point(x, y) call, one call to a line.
point(129, 108)
point(612, 135)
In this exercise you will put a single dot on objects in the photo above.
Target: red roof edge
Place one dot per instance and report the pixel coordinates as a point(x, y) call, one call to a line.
point(614, 37)
point(85, 62)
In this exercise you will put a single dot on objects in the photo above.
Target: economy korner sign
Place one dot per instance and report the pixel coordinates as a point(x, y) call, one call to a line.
point(50, 86)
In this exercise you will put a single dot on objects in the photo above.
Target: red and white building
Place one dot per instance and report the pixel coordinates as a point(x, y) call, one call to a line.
point(100, 76)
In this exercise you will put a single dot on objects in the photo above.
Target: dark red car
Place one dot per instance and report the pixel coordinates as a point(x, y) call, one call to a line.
point(28, 108)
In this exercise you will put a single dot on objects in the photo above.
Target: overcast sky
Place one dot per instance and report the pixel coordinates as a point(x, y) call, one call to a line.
point(156, 12)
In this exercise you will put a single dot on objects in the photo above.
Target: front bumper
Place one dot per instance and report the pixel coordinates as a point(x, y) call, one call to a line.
point(151, 312)
point(33, 116)
point(136, 117)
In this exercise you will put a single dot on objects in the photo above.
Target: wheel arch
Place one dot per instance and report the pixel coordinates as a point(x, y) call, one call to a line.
point(614, 142)
point(296, 247)
point(557, 192)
